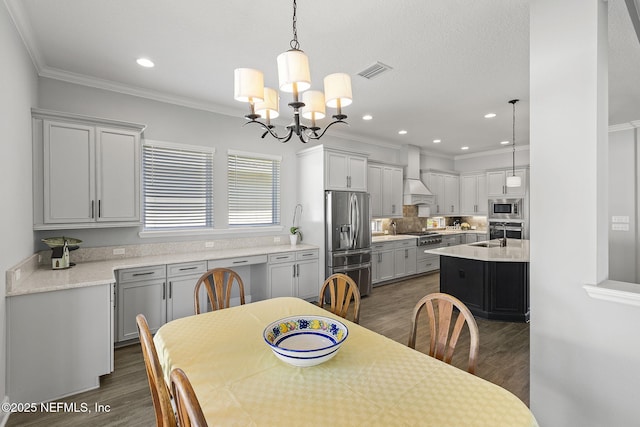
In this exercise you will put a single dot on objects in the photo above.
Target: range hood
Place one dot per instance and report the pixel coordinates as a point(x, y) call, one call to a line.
point(415, 192)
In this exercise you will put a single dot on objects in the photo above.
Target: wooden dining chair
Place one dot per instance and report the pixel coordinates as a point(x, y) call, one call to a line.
point(441, 345)
point(218, 283)
point(342, 290)
point(165, 416)
point(187, 405)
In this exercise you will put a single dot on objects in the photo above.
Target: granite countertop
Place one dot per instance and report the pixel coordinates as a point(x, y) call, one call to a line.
point(515, 251)
point(391, 237)
point(94, 273)
point(446, 232)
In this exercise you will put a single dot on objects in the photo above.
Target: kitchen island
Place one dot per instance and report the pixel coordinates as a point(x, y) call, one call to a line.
point(493, 281)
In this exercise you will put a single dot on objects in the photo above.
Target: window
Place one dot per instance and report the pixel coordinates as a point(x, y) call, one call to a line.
point(254, 189)
point(177, 186)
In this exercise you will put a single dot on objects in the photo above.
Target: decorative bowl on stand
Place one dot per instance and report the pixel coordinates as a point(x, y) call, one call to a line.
point(305, 340)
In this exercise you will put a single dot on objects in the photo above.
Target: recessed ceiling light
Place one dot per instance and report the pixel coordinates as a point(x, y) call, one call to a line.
point(505, 142)
point(437, 141)
point(402, 132)
point(367, 117)
point(489, 116)
point(145, 62)
point(464, 148)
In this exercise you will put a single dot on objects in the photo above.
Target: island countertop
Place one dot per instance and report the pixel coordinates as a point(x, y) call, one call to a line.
point(516, 251)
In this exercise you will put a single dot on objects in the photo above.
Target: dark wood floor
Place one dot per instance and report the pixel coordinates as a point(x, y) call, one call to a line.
point(503, 360)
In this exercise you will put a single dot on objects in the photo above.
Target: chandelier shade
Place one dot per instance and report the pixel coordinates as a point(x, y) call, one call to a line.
point(313, 105)
point(248, 85)
point(337, 90)
point(269, 107)
point(293, 71)
point(513, 180)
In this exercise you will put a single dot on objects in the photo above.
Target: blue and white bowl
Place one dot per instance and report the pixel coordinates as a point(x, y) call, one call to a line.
point(305, 340)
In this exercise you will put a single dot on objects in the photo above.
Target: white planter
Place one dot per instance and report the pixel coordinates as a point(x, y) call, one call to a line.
point(294, 239)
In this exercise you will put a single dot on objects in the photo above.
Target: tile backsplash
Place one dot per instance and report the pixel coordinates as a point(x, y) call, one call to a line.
point(411, 222)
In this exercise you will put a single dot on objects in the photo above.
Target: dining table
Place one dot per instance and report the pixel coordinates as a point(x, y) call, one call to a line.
point(371, 381)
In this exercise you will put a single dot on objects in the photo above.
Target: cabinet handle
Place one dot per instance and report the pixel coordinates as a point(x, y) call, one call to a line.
point(406, 253)
point(240, 262)
point(170, 289)
point(99, 208)
point(437, 208)
point(92, 210)
point(187, 268)
point(282, 257)
point(297, 270)
point(294, 270)
point(144, 274)
point(164, 290)
point(307, 254)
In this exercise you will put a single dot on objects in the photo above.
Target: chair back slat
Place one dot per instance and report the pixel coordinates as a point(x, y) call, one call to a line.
point(219, 283)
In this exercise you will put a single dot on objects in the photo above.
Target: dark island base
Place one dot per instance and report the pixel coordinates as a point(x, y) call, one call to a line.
point(492, 290)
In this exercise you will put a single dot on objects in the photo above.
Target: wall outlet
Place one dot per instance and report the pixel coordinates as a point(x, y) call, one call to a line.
point(209, 244)
point(276, 239)
point(18, 274)
point(118, 251)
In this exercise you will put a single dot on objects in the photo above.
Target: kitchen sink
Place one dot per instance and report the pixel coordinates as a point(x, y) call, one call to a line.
point(486, 244)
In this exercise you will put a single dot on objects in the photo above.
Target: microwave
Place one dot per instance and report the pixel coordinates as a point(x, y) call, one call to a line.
point(505, 209)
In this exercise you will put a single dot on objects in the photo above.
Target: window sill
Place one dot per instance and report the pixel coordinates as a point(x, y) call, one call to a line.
point(240, 232)
point(614, 291)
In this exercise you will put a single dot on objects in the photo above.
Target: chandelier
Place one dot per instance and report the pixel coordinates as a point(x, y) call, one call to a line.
point(513, 180)
point(293, 77)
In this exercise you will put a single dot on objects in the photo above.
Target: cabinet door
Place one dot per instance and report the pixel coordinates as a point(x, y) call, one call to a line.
point(375, 260)
point(181, 298)
point(392, 192)
point(307, 276)
point(496, 183)
point(386, 264)
point(146, 297)
point(374, 185)
point(336, 171)
point(452, 194)
point(468, 194)
point(281, 280)
point(357, 173)
point(517, 191)
point(436, 185)
point(118, 175)
point(482, 200)
point(69, 158)
point(410, 261)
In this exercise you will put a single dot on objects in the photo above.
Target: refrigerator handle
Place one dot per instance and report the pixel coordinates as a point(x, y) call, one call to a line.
point(355, 219)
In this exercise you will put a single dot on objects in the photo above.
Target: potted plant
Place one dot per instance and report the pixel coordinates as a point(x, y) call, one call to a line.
point(295, 232)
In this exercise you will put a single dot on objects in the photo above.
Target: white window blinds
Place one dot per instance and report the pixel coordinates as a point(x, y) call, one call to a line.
point(177, 186)
point(254, 189)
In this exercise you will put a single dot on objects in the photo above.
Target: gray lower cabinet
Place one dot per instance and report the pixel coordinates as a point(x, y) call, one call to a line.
point(59, 343)
point(451, 240)
point(293, 274)
point(382, 261)
point(405, 258)
point(427, 262)
point(141, 290)
point(182, 280)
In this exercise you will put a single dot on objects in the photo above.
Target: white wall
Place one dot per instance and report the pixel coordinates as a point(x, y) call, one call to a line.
point(623, 199)
point(18, 88)
point(585, 353)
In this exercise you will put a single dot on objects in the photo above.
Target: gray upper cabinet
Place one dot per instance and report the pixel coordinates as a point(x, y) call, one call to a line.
point(86, 171)
point(345, 171)
point(385, 187)
point(497, 183)
point(473, 194)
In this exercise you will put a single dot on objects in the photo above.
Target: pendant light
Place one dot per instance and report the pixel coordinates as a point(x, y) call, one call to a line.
point(513, 180)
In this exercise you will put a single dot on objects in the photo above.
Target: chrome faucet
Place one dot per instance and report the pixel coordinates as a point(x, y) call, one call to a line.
point(503, 241)
point(393, 225)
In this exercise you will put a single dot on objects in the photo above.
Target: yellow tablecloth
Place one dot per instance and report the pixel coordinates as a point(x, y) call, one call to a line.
point(371, 381)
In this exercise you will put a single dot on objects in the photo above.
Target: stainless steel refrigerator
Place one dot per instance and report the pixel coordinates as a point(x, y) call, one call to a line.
point(348, 236)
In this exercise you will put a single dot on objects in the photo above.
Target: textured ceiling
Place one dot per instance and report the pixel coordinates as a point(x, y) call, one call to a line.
point(453, 60)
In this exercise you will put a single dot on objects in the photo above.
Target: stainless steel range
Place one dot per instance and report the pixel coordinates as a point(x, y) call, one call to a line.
point(427, 238)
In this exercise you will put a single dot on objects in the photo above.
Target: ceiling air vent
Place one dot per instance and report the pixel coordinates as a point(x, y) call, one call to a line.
point(374, 70)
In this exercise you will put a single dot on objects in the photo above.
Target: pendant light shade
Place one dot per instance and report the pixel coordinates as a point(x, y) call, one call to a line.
point(248, 85)
point(513, 181)
point(268, 109)
point(337, 90)
point(293, 70)
point(313, 105)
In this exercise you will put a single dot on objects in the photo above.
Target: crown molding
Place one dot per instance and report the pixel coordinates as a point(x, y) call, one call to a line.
point(25, 30)
point(504, 150)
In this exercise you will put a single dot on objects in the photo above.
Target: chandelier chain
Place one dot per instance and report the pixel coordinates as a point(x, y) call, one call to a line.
point(294, 42)
point(513, 163)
